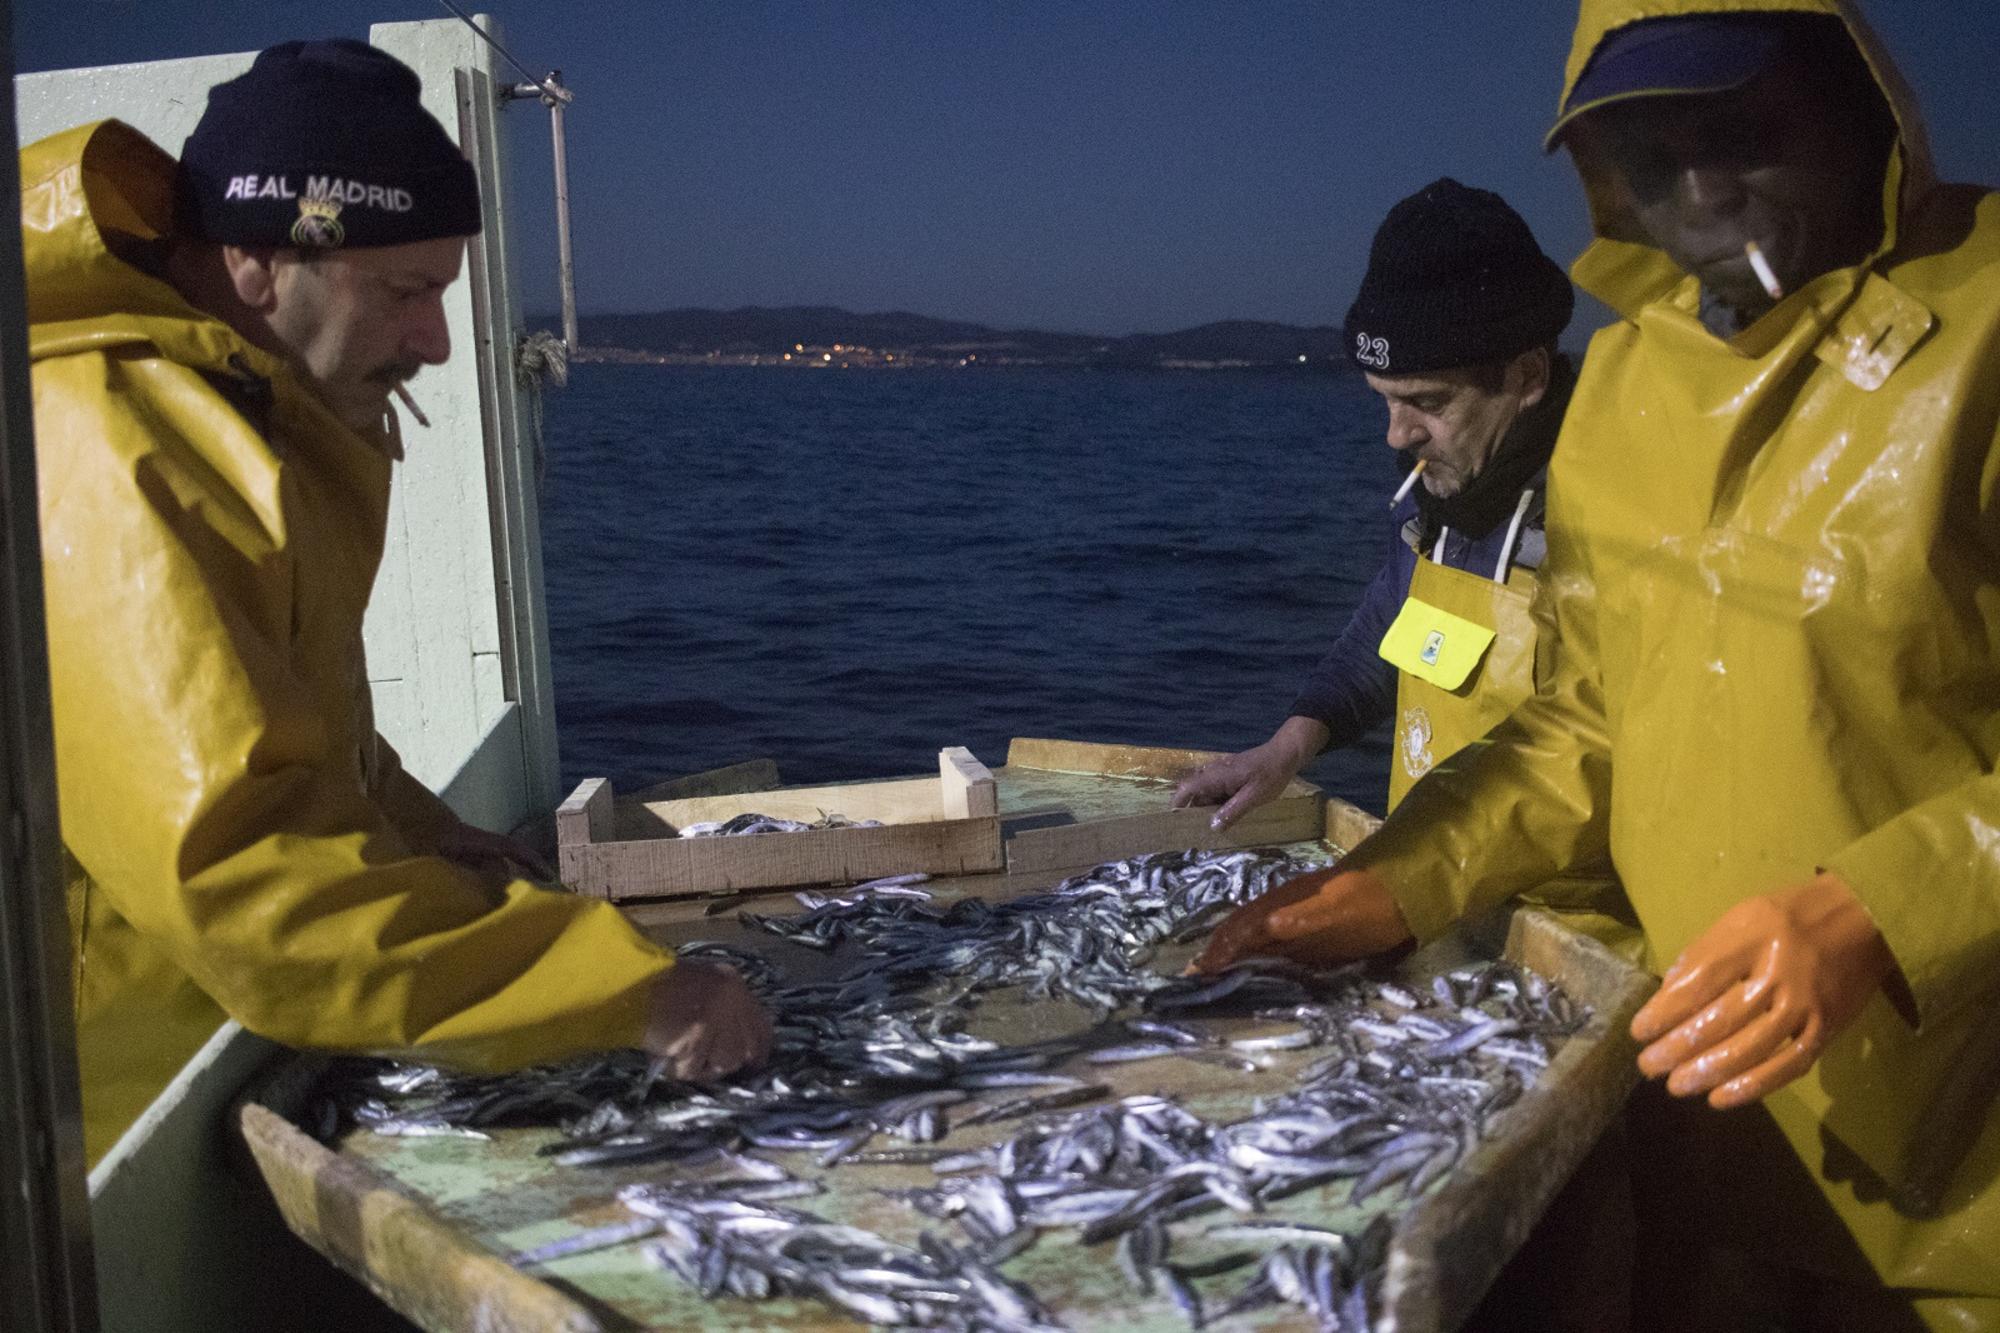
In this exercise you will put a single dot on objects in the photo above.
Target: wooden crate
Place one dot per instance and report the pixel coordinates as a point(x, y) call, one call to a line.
point(423, 1221)
point(944, 825)
point(1052, 824)
point(1347, 825)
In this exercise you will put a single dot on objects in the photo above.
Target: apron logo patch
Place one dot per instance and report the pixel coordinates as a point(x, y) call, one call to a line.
point(1413, 742)
point(1433, 645)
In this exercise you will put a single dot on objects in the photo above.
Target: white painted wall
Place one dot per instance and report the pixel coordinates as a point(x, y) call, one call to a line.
point(162, 98)
point(433, 632)
point(511, 773)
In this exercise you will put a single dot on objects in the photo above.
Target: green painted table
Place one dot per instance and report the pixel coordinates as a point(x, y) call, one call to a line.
point(426, 1221)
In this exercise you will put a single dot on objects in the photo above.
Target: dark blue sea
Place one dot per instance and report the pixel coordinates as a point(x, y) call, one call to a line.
point(845, 570)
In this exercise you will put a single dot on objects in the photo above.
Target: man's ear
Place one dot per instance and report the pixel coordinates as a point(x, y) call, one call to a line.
point(1534, 370)
point(253, 273)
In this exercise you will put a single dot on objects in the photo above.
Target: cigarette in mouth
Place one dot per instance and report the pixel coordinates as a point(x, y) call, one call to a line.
point(403, 392)
point(1408, 482)
point(1762, 268)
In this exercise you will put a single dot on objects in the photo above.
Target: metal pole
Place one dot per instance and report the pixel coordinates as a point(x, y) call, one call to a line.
point(47, 1282)
point(555, 97)
point(567, 271)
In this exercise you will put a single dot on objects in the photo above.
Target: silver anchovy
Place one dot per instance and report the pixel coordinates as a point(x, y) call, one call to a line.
point(749, 823)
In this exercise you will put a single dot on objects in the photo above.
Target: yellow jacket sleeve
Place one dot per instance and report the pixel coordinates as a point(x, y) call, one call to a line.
point(1930, 877)
point(1931, 880)
point(209, 769)
point(1531, 800)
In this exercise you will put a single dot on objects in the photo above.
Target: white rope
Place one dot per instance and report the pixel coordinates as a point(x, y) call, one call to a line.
point(540, 359)
point(542, 356)
point(1513, 531)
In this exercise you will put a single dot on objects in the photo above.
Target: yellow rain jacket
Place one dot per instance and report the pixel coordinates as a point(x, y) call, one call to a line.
point(1770, 644)
point(242, 843)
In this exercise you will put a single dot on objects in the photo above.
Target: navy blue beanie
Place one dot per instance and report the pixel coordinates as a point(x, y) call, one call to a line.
point(323, 145)
point(1454, 279)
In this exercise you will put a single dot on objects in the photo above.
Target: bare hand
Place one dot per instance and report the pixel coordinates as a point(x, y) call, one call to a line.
point(482, 850)
point(1751, 1003)
point(1323, 917)
point(1242, 782)
point(704, 1022)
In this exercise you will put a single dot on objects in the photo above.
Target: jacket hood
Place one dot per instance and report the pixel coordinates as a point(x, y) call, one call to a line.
point(90, 196)
point(1622, 268)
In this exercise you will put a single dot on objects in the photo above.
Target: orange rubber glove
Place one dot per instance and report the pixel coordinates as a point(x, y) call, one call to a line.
point(1323, 917)
point(1750, 1004)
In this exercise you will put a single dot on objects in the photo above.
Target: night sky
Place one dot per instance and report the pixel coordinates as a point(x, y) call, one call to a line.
point(1093, 167)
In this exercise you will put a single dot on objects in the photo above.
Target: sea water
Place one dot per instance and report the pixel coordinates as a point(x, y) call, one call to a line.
point(845, 570)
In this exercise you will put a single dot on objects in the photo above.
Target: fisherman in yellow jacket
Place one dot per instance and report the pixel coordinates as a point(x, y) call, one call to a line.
point(214, 346)
point(1771, 687)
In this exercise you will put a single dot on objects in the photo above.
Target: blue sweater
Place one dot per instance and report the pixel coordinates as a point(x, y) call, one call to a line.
point(1353, 689)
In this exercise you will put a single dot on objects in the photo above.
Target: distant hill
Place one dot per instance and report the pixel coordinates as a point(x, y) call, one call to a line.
point(760, 332)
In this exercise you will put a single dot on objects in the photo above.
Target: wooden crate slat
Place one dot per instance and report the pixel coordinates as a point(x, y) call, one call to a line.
point(968, 785)
point(588, 816)
point(1347, 824)
point(947, 824)
point(657, 867)
point(903, 801)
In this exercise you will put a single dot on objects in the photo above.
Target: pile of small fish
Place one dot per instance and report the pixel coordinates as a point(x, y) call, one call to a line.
point(1406, 1089)
point(725, 1236)
point(751, 822)
point(1088, 940)
point(1401, 1086)
point(720, 1245)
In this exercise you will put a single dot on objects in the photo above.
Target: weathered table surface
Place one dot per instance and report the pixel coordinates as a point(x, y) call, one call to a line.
point(424, 1221)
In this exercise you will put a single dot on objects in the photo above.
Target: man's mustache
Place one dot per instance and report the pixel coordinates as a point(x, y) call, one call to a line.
point(398, 373)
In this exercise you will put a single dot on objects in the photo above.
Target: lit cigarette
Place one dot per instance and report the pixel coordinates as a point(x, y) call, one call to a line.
point(403, 392)
point(1408, 482)
point(1762, 268)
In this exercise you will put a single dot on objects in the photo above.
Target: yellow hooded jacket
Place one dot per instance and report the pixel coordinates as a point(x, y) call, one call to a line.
point(1770, 629)
point(241, 841)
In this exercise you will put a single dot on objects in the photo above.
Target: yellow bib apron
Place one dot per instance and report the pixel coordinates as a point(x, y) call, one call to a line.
point(1464, 646)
